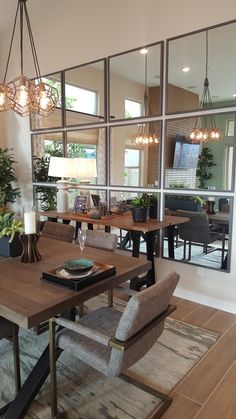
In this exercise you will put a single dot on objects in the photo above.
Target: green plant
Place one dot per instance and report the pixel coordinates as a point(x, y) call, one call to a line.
point(8, 191)
point(9, 226)
point(179, 185)
point(205, 165)
point(47, 195)
point(140, 201)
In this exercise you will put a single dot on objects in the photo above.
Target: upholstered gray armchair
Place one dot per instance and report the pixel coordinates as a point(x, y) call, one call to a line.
point(111, 341)
point(9, 331)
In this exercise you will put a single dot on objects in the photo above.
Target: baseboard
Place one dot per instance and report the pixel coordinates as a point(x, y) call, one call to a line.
point(206, 300)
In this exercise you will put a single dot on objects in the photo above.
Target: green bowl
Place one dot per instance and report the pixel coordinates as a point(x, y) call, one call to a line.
point(77, 266)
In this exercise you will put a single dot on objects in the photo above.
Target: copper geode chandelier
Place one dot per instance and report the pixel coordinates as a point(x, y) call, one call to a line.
point(146, 134)
point(204, 132)
point(23, 95)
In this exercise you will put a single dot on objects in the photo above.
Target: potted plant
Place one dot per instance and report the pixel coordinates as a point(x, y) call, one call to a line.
point(139, 209)
point(153, 200)
point(10, 228)
point(8, 191)
point(205, 167)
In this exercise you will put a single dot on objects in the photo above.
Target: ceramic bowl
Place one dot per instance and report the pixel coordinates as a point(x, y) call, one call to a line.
point(77, 266)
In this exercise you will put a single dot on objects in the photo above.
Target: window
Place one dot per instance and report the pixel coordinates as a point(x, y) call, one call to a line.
point(132, 167)
point(132, 108)
point(81, 100)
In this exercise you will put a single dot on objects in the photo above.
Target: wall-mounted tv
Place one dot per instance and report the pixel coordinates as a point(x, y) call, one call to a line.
point(185, 155)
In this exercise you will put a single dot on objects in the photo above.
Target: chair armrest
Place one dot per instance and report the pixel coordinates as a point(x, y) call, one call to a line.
point(83, 330)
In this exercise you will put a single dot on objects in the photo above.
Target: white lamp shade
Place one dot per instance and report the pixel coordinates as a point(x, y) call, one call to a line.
point(87, 167)
point(63, 167)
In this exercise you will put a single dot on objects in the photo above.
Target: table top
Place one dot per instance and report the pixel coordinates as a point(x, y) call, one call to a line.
point(27, 300)
point(123, 221)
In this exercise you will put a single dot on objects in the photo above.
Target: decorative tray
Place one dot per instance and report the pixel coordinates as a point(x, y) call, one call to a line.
point(77, 282)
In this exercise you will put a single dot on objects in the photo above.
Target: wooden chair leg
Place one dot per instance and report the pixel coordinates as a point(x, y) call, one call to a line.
point(53, 375)
point(15, 342)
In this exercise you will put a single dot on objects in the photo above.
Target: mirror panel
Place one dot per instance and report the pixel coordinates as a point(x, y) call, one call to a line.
point(199, 166)
point(53, 120)
point(207, 242)
point(127, 83)
point(132, 165)
point(187, 69)
point(89, 144)
point(84, 94)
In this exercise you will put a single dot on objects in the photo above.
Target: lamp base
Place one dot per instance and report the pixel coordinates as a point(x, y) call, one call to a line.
point(62, 196)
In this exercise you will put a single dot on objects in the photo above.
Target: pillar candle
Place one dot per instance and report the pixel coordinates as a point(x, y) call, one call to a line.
point(29, 221)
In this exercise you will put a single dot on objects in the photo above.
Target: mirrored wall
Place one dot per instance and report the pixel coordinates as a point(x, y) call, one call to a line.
point(105, 108)
point(191, 58)
point(132, 75)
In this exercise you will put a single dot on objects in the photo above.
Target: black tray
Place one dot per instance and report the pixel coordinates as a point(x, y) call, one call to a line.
point(103, 271)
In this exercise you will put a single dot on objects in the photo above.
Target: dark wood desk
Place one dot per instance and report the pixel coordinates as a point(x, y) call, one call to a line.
point(125, 222)
point(27, 300)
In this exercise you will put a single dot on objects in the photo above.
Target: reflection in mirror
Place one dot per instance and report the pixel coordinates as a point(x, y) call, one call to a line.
point(187, 68)
point(205, 239)
point(199, 166)
point(43, 146)
point(131, 74)
point(84, 94)
point(54, 120)
point(90, 146)
point(131, 164)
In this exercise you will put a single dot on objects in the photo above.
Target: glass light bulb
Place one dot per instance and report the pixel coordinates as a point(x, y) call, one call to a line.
point(22, 96)
point(44, 100)
point(2, 98)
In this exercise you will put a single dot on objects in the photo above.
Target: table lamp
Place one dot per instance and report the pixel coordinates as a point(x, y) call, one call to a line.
point(87, 168)
point(63, 167)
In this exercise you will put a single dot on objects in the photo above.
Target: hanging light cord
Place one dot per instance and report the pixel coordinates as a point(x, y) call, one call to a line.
point(22, 6)
point(12, 37)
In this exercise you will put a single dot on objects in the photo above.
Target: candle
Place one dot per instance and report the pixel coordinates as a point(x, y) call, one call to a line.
point(29, 220)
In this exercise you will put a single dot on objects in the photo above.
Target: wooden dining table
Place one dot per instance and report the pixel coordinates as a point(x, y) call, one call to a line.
point(27, 300)
point(125, 221)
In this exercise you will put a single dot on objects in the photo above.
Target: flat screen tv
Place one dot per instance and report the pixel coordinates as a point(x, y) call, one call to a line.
point(185, 155)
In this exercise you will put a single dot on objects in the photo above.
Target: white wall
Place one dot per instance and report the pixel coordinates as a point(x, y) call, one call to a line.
point(71, 32)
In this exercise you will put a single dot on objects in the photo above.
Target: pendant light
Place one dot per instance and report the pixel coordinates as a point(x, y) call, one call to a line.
point(146, 133)
point(23, 95)
point(202, 133)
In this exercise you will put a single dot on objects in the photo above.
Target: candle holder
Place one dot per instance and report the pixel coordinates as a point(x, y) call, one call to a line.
point(30, 252)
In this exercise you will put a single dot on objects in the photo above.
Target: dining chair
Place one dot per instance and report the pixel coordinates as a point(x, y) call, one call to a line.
point(197, 230)
point(9, 330)
point(58, 231)
point(101, 240)
point(111, 341)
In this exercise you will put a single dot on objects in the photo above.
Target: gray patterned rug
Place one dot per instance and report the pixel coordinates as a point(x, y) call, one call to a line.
point(84, 393)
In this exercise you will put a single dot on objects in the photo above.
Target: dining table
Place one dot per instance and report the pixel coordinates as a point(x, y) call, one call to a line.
point(28, 300)
point(136, 230)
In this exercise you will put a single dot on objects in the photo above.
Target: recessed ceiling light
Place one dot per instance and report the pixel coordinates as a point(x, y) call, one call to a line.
point(143, 51)
point(234, 95)
point(191, 87)
point(185, 69)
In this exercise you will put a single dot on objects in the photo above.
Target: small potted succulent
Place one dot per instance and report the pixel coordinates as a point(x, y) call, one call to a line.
point(10, 228)
point(139, 208)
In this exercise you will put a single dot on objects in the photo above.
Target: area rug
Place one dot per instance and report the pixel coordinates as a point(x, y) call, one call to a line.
point(83, 393)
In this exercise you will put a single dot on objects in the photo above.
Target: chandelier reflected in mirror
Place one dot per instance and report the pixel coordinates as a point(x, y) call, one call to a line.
point(205, 129)
point(146, 134)
point(23, 95)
